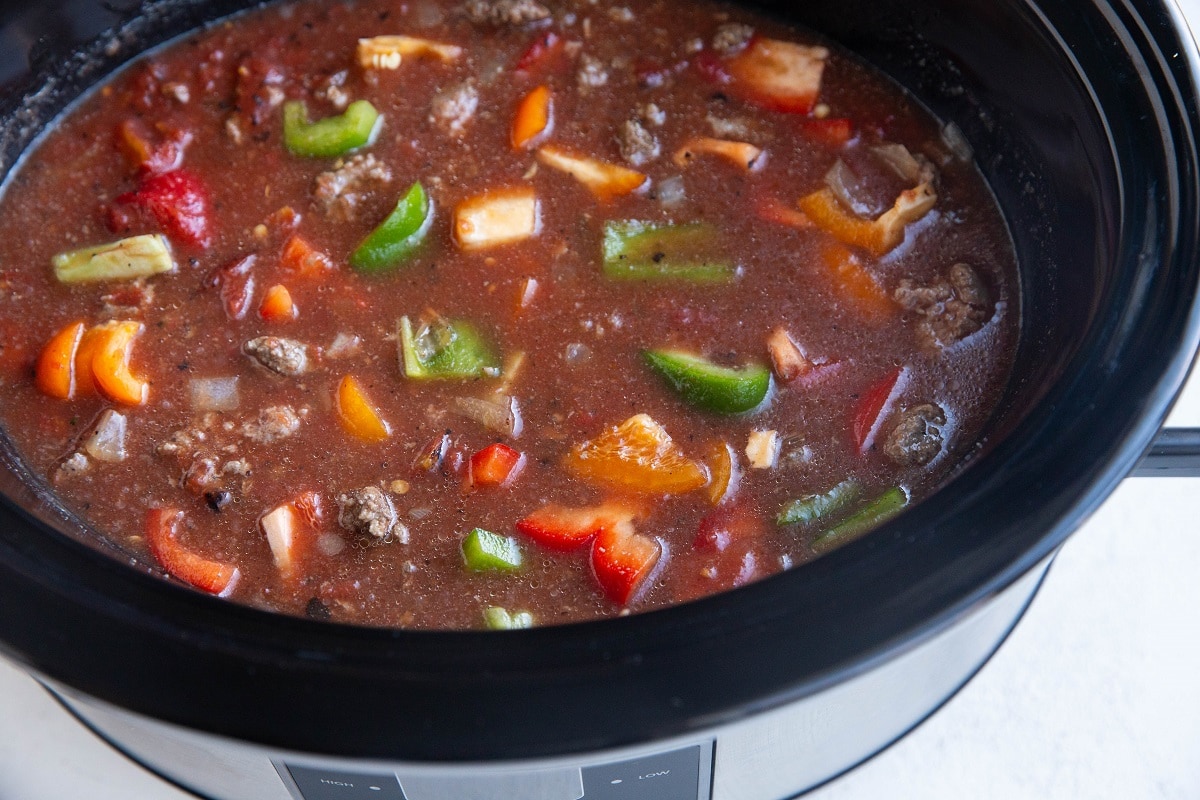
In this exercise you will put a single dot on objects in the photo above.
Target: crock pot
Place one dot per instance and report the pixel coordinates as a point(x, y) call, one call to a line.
point(1081, 115)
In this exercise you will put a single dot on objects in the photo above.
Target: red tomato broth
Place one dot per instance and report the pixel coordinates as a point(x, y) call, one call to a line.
point(59, 200)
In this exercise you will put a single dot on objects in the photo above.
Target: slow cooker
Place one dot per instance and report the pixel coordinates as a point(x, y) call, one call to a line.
point(1082, 116)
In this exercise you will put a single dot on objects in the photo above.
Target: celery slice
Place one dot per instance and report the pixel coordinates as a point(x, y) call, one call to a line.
point(501, 619)
point(135, 257)
point(485, 551)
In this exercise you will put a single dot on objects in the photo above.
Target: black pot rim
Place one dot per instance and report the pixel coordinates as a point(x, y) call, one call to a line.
point(87, 621)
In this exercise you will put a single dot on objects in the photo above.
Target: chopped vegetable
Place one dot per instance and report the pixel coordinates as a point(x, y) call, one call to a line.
point(774, 211)
point(135, 257)
point(445, 349)
point(832, 131)
point(603, 179)
point(106, 440)
point(497, 217)
point(235, 281)
point(302, 258)
point(164, 154)
point(359, 417)
point(877, 236)
point(762, 449)
point(743, 154)
point(500, 619)
point(485, 551)
point(277, 305)
point(635, 250)
point(387, 52)
point(778, 75)
point(534, 120)
point(623, 560)
point(542, 51)
point(723, 390)
point(398, 236)
point(102, 363)
point(213, 577)
point(501, 413)
point(280, 526)
point(177, 201)
point(496, 465)
point(873, 406)
point(787, 358)
point(723, 466)
point(562, 528)
point(853, 281)
point(54, 375)
point(332, 136)
point(813, 507)
point(874, 514)
point(529, 290)
point(214, 394)
point(638, 455)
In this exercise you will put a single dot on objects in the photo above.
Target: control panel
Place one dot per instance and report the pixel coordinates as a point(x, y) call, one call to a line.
point(681, 774)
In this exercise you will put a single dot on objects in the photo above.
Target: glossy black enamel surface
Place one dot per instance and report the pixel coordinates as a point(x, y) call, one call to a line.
point(1093, 157)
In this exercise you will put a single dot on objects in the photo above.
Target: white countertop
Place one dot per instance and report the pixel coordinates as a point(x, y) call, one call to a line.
point(1095, 695)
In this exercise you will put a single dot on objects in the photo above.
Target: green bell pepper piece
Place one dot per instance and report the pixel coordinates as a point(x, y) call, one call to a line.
point(872, 515)
point(329, 137)
point(500, 619)
point(446, 349)
point(818, 506)
point(725, 390)
point(486, 551)
point(645, 251)
point(398, 236)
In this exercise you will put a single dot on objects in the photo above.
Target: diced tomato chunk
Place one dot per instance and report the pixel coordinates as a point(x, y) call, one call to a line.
point(831, 131)
point(623, 560)
point(277, 305)
point(213, 577)
point(177, 201)
point(732, 523)
point(562, 528)
point(542, 53)
point(873, 406)
point(711, 67)
point(302, 258)
point(496, 465)
point(235, 281)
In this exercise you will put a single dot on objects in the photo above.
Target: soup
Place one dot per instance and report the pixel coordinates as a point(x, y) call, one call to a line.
point(495, 314)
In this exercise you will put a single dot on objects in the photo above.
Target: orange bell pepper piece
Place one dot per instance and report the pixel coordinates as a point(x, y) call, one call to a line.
point(637, 455)
point(533, 120)
point(302, 258)
point(853, 281)
point(55, 373)
point(110, 363)
point(876, 236)
point(359, 417)
point(606, 181)
point(277, 305)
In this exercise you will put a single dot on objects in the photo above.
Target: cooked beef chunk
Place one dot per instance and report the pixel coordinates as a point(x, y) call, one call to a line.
point(917, 438)
point(284, 356)
point(505, 13)
point(367, 512)
point(732, 37)
point(454, 107)
point(950, 310)
point(340, 191)
point(637, 144)
point(273, 424)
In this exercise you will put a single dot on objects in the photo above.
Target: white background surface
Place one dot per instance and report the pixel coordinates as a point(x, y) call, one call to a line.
point(1095, 695)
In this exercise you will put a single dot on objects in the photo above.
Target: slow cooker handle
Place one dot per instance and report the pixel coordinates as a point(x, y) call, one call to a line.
point(1175, 453)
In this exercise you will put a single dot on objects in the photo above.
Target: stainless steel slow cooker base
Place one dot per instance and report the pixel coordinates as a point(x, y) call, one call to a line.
point(762, 757)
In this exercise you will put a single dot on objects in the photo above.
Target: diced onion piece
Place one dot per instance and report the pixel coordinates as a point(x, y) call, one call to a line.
point(497, 217)
point(387, 52)
point(671, 191)
point(534, 119)
point(902, 162)
point(529, 290)
point(214, 394)
point(330, 544)
point(501, 414)
point(956, 142)
point(280, 527)
point(845, 187)
point(743, 154)
point(779, 75)
point(106, 441)
point(787, 358)
point(359, 417)
point(344, 345)
point(762, 449)
point(513, 364)
point(135, 257)
point(876, 236)
point(54, 374)
point(603, 179)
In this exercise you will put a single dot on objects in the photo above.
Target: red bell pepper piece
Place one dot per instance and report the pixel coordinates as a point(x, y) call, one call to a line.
point(496, 465)
point(177, 201)
point(210, 576)
point(235, 281)
point(541, 53)
point(622, 561)
point(832, 132)
point(562, 528)
point(873, 407)
point(711, 67)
